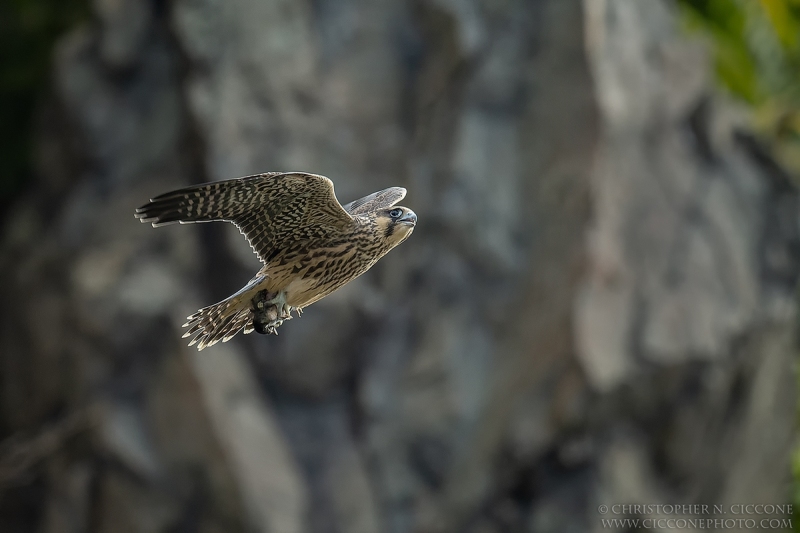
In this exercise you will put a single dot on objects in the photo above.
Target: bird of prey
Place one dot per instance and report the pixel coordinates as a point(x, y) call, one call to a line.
point(309, 244)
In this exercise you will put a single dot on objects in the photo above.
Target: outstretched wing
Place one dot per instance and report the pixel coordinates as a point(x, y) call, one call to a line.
point(377, 200)
point(271, 209)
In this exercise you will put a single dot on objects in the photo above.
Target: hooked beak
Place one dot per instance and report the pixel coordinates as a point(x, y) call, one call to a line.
point(409, 219)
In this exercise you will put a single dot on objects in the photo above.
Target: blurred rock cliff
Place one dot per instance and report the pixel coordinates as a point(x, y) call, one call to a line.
point(597, 306)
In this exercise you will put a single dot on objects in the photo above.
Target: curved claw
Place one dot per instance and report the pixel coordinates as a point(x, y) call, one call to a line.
point(268, 314)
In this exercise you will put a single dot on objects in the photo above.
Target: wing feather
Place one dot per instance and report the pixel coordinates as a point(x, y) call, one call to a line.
point(375, 201)
point(269, 209)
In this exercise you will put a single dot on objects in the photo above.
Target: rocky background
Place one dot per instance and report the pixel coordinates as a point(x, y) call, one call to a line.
point(597, 306)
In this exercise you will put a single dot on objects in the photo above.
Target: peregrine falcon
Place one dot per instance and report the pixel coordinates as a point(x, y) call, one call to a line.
point(309, 244)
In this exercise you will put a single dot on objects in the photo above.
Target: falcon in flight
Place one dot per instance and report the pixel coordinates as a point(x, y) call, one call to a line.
point(309, 244)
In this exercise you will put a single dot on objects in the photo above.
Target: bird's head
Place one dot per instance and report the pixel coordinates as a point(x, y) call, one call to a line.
point(396, 224)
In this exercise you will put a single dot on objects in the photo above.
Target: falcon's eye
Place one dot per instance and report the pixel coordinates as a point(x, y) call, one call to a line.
point(396, 213)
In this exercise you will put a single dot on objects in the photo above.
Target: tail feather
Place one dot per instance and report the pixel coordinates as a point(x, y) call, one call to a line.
point(223, 320)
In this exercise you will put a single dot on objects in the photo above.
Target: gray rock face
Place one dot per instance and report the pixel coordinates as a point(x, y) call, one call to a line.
point(597, 306)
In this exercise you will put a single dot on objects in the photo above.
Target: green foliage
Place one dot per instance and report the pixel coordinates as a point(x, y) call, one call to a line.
point(757, 58)
point(28, 30)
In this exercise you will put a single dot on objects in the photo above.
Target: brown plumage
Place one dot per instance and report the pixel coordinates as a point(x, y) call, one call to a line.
point(309, 243)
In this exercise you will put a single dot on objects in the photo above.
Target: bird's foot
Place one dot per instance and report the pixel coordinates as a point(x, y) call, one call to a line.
point(269, 312)
point(265, 313)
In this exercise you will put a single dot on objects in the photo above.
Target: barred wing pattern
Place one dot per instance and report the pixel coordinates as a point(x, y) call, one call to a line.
point(375, 201)
point(269, 209)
